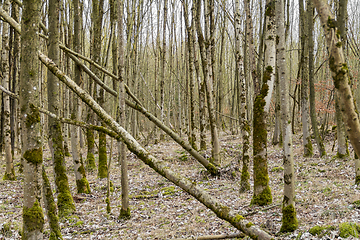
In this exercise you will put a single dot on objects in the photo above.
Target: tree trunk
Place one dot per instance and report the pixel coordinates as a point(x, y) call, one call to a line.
point(205, 53)
point(244, 124)
point(81, 181)
point(289, 220)
point(5, 67)
point(262, 193)
point(33, 218)
point(65, 201)
point(340, 75)
point(308, 149)
point(314, 124)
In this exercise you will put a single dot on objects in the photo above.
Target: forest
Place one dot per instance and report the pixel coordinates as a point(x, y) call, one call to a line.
point(179, 119)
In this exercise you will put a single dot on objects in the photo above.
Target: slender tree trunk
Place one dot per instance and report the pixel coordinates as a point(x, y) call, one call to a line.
point(125, 209)
point(244, 124)
point(342, 150)
point(65, 201)
point(314, 124)
point(190, 48)
point(205, 53)
point(289, 220)
point(33, 217)
point(262, 193)
point(81, 181)
point(308, 149)
point(5, 66)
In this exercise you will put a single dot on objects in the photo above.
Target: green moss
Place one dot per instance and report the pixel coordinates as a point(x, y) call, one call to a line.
point(168, 190)
point(33, 219)
point(264, 198)
point(223, 212)
point(357, 204)
point(238, 218)
point(102, 168)
point(83, 185)
point(212, 169)
point(331, 23)
point(357, 180)
point(125, 214)
point(308, 148)
point(277, 169)
point(108, 208)
point(90, 161)
point(33, 117)
point(249, 224)
point(34, 156)
point(10, 176)
point(317, 230)
point(51, 208)
point(270, 9)
point(348, 229)
point(79, 223)
point(289, 220)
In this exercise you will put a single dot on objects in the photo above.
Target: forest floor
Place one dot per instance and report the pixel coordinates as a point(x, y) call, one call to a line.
point(325, 194)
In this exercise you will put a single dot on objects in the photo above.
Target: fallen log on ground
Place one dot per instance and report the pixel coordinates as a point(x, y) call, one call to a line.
point(159, 166)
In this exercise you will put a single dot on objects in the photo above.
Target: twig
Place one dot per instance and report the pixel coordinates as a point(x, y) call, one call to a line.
point(263, 209)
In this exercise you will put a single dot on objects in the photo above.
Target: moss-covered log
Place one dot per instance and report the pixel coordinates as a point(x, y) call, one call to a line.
point(159, 166)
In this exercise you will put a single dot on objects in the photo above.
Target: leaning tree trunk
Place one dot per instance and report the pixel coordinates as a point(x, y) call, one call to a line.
point(159, 166)
point(81, 181)
point(340, 75)
point(65, 201)
point(289, 220)
point(5, 66)
point(33, 218)
point(262, 193)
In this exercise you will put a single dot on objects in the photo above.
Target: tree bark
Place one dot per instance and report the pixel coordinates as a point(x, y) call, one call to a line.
point(65, 201)
point(81, 181)
point(262, 193)
point(33, 218)
point(289, 220)
point(5, 66)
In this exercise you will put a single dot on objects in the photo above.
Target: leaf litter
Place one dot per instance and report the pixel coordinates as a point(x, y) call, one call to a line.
point(325, 194)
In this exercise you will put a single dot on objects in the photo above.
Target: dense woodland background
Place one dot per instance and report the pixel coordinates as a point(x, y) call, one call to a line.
point(96, 95)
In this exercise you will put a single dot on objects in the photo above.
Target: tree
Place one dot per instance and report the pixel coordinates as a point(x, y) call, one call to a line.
point(308, 149)
point(9, 173)
point(33, 218)
point(125, 209)
point(262, 192)
point(65, 201)
point(340, 75)
point(289, 220)
point(80, 175)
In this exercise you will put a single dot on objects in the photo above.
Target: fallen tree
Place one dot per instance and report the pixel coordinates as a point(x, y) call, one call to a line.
point(159, 166)
point(138, 106)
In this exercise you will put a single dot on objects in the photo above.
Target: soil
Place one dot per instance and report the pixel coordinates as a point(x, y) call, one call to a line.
point(325, 194)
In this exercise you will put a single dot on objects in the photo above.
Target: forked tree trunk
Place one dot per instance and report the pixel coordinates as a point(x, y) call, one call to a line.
point(33, 217)
point(65, 201)
point(340, 75)
point(5, 66)
point(289, 220)
point(159, 166)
